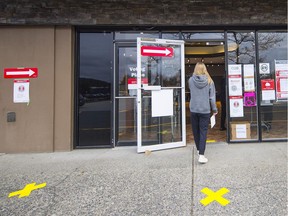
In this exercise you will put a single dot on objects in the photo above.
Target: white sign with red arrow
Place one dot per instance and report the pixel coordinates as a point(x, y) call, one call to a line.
point(157, 51)
point(15, 73)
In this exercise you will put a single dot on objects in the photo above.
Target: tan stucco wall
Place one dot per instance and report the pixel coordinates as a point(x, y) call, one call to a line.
point(43, 125)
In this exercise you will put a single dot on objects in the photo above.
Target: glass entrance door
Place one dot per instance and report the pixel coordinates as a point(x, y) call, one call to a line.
point(160, 94)
point(125, 97)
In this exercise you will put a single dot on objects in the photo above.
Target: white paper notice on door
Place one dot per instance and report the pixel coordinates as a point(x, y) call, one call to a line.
point(235, 86)
point(241, 131)
point(236, 107)
point(162, 103)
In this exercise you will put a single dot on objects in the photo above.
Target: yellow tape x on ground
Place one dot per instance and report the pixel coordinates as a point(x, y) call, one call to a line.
point(27, 190)
point(214, 196)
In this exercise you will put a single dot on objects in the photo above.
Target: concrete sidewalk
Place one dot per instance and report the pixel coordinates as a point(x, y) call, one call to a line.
point(255, 174)
point(121, 182)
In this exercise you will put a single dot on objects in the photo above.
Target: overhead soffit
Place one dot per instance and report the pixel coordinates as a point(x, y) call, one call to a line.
point(208, 50)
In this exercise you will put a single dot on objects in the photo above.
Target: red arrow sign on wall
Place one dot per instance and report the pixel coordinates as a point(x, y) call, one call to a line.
point(157, 51)
point(20, 73)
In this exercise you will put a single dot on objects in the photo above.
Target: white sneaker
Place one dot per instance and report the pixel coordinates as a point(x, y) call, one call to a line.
point(202, 159)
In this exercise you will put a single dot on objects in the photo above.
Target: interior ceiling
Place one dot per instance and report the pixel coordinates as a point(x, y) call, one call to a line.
point(206, 60)
point(207, 52)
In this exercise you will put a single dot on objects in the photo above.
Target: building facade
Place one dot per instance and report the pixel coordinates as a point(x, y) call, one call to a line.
point(85, 53)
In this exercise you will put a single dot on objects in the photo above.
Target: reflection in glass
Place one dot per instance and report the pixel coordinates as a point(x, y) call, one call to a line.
point(201, 36)
point(127, 121)
point(272, 63)
point(126, 116)
point(165, 72)
point(161, 130)
point(171, 36)
point(127, 71)
point(134, 35)
point(94, 89)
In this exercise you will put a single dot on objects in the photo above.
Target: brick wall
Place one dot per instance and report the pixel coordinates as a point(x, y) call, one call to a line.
point(144, 12)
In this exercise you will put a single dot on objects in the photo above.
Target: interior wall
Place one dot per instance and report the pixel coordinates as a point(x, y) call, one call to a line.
point(34, 129)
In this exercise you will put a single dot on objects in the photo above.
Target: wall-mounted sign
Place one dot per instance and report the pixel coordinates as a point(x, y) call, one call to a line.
point(21, 91)
point(16, 73)
point(157, 51)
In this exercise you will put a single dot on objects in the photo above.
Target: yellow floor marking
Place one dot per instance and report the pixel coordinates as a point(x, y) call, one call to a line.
point(214, 196)
point(27, 190)
point(210, 141)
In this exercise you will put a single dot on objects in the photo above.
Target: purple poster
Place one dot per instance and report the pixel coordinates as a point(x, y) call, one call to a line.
point(249, 99)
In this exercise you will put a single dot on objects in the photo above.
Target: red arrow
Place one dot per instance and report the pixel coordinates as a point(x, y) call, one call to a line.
point(20, 73)
point(157, 51)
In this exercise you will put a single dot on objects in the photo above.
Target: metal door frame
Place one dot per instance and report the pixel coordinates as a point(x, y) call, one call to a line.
point(182, 143)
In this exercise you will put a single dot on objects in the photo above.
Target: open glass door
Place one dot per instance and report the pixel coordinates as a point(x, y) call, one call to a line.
point(160, 94)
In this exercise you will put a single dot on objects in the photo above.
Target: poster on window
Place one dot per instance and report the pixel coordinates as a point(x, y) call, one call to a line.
point(249, 84)
point(234, 69)
point(249, 99)
point(236, 106)
point(235, 85)
point(248, 70)
point(132, 76)
point(21, 91)
point(264, 68)
point(281, 77)
point(268, 89)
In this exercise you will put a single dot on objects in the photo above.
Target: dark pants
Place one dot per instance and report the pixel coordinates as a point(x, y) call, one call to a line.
point(200, 123)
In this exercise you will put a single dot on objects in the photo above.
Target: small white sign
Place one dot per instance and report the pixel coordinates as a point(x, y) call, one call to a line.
point(235, 86)
point(241, 131)
point(162, 103)
point(248, 70)
point(236, 107)
point(234, 69)
point(264, 68)
point(21, 91)
point(249, 84)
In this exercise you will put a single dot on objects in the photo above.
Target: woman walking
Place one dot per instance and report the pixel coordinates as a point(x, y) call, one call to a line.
point(203, 100)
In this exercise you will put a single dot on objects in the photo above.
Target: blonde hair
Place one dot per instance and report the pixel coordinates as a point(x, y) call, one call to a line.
point(200, 69)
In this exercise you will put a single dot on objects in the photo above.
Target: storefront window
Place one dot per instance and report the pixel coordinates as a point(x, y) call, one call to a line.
point(273, 73)
point(242, 88)
point(94, 89)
